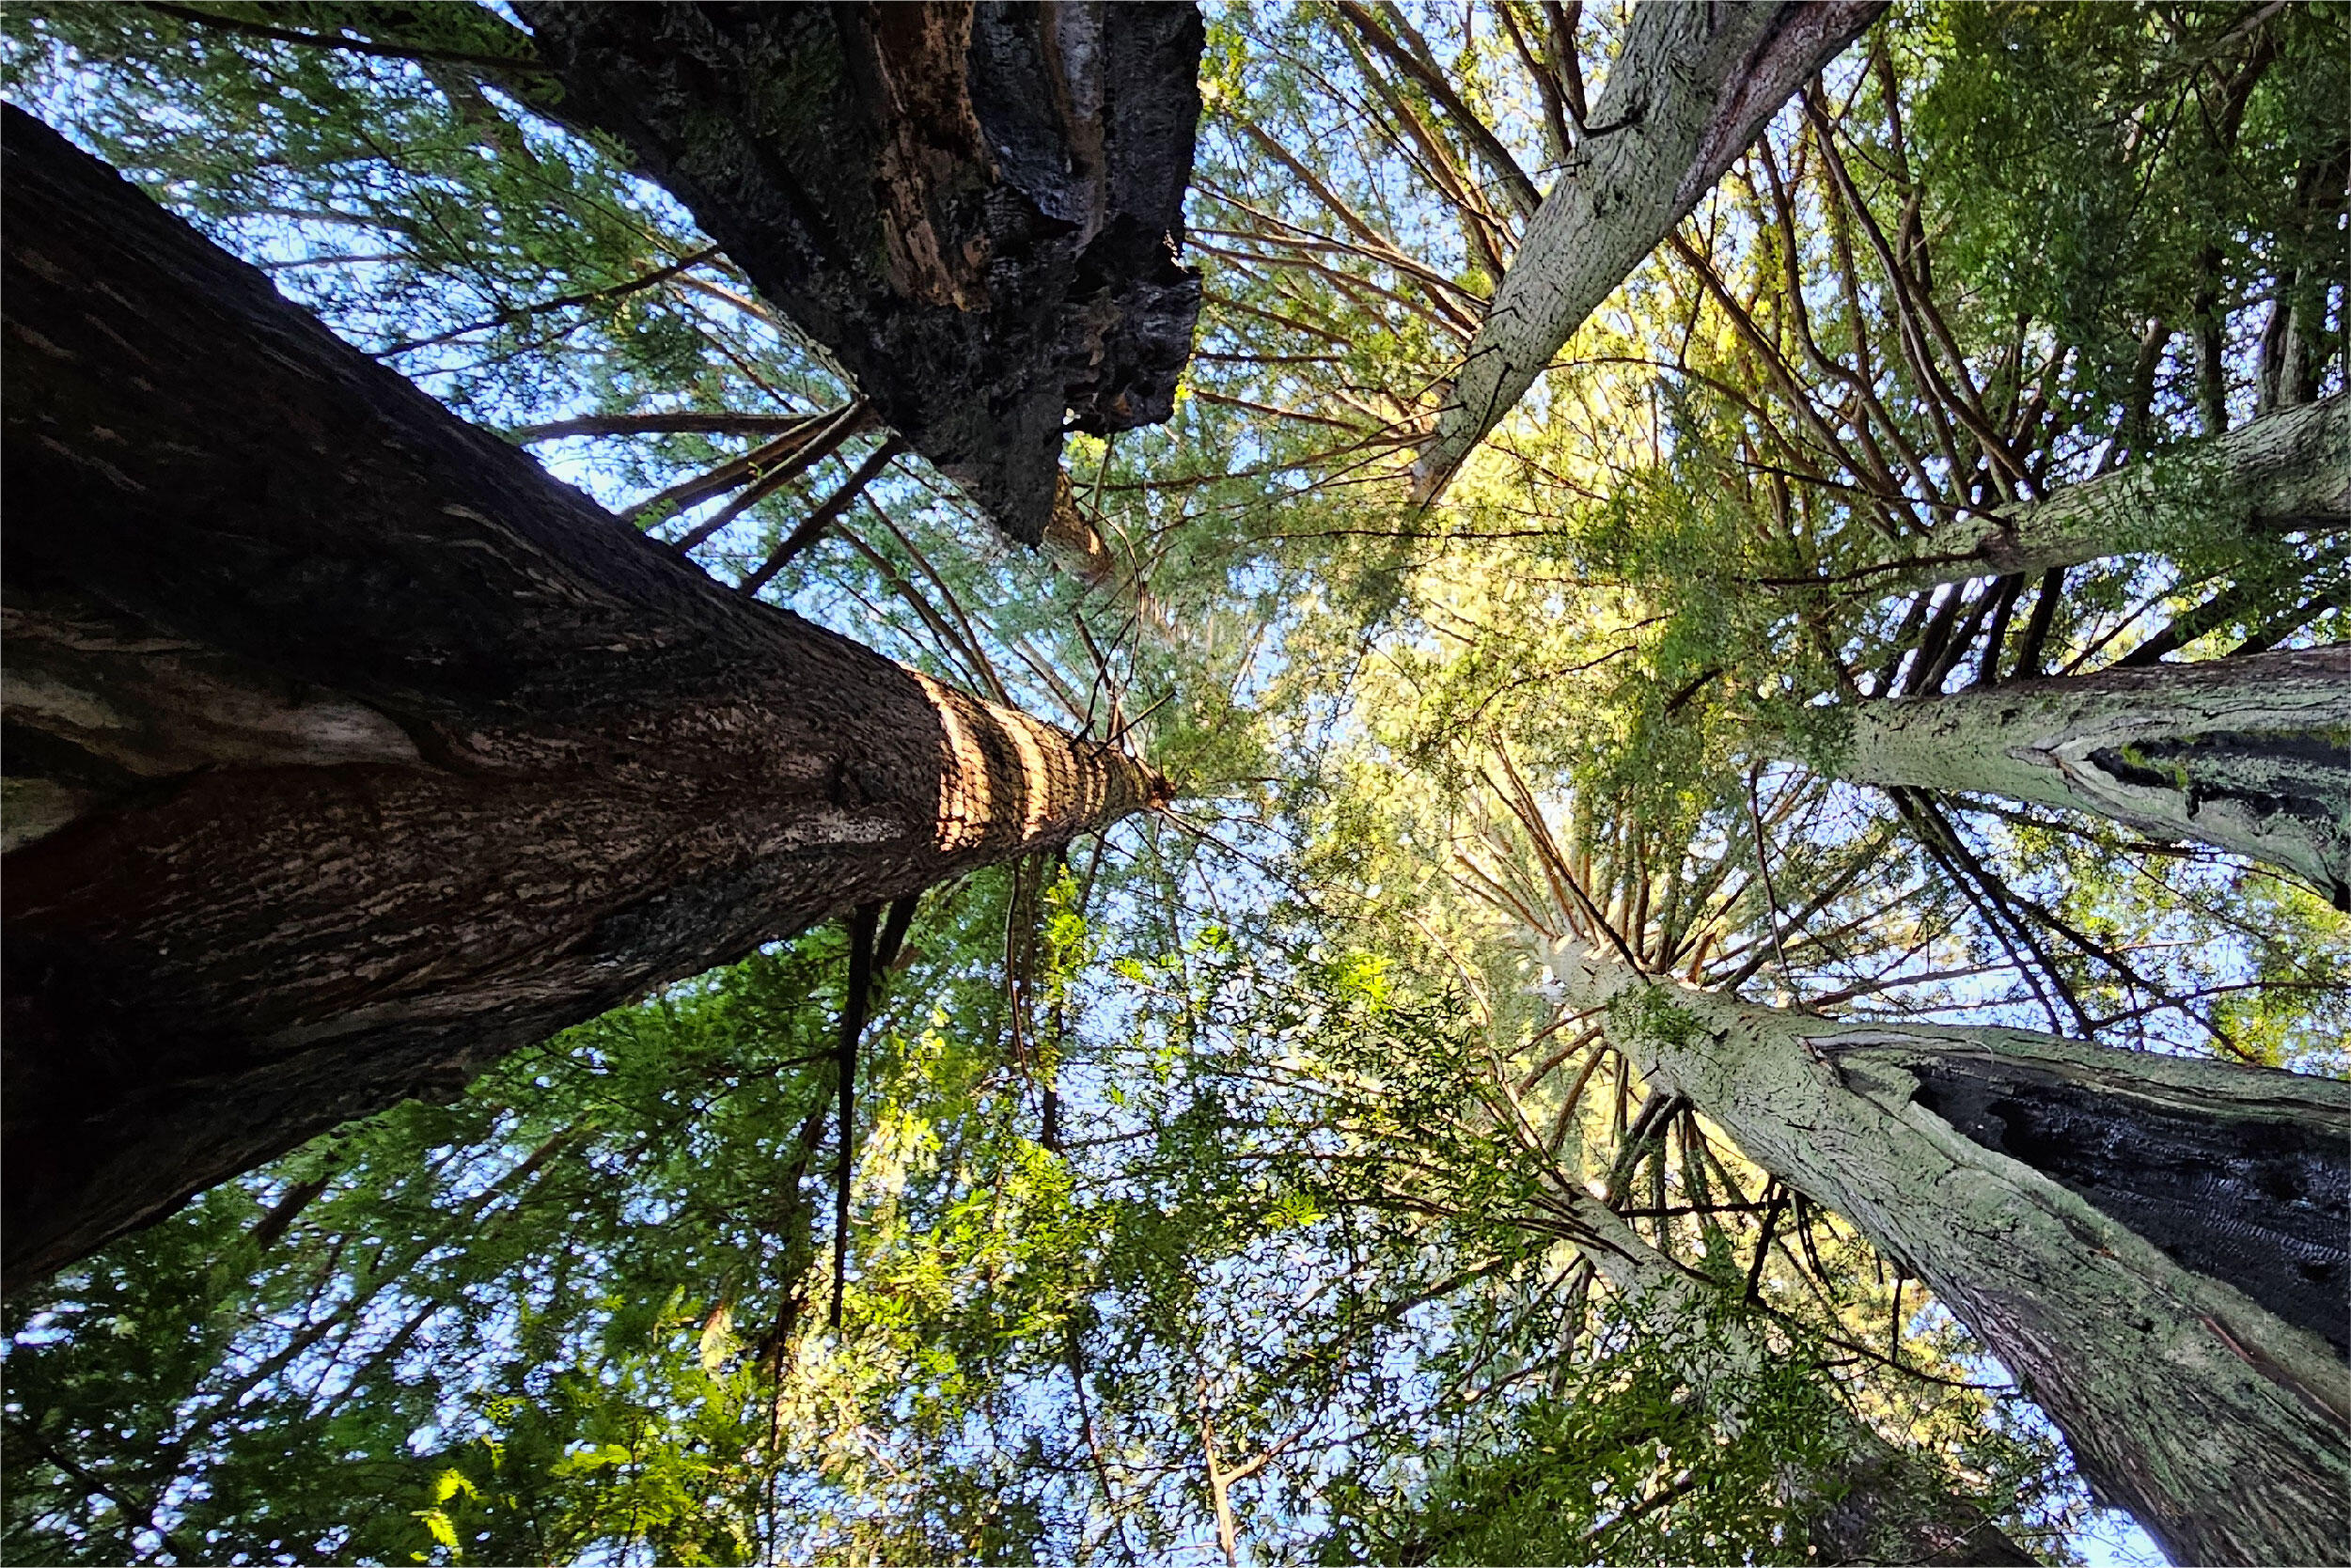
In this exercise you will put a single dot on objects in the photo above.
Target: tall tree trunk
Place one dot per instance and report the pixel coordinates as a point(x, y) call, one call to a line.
point(2246, 754)
point(1882, 1506)
point(1692, 86)
point(2208, 330)
point(974, 208)
point(347, 750)
point(2288, 471)
point(2154, 1245)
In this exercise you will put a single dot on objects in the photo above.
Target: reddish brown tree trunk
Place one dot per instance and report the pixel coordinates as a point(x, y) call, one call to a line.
point(347, 750)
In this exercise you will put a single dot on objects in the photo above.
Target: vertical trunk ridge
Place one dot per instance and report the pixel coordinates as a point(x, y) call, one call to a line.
point(364, 751)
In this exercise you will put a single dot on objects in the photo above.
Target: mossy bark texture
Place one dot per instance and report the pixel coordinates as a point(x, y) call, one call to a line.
point(2289, 470)
point(2249, 754)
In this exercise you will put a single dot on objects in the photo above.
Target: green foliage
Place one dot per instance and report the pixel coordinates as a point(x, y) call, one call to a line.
point(1626, 1464)
point(476, 1318)
point(1232, 1153)
point(436, 200)
point(2095, 167)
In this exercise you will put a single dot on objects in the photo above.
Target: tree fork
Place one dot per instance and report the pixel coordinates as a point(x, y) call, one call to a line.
point(2154, 1244)
point(347, 750)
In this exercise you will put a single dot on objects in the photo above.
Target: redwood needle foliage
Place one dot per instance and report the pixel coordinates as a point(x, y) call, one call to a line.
point(1247, 1182)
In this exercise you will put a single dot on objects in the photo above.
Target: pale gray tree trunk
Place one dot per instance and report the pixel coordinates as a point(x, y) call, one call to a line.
point(2250, 754)
point(1693, 85)
point(2290, 470)
point(2154, 1245)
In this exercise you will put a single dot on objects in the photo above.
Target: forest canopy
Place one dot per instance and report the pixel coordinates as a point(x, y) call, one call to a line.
point(1726, 930)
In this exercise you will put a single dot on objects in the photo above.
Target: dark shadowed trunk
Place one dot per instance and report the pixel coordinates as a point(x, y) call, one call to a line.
point(2158, 1247)
point(347, 750)
point(974, 208)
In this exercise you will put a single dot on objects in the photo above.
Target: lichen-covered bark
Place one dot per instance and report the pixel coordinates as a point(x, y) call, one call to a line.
point(974, 208)
point(1885, 1509)
point(2249, 754)
point(2224, 1426)
point(2290, 470)
point(1692, 86)
point(363, 750)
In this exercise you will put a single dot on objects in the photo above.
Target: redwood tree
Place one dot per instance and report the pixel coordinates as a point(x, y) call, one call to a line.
point(347, 750)
point(975, 209)
point(2155, 1244)
point(2289, 470)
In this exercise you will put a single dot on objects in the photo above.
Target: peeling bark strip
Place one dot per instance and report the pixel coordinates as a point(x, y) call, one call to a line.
point(2250, 754)
point(369, 752)
point(2224, 1428)
point(2288, 471)
point(1692, 87)
point(974, 208)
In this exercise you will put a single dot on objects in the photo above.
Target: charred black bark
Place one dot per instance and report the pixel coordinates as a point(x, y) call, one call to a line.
point(2263, 1202)
point(2222, 1424)
point(347, 750)
point(974, 208)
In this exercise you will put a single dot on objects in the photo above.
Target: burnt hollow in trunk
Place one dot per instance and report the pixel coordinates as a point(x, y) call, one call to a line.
point(2224, 1425)
point(974, 208)
point(347, 750)
point(2262, 1203)
point(2301, 777)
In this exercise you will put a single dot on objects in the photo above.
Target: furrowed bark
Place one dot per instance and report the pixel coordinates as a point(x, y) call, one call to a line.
point(2288, 471)
point(1692, 87)
point(2250, 755)
point(347, 750)
point(2155, 1246)
point(1888, 1510)
point(975, 209)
